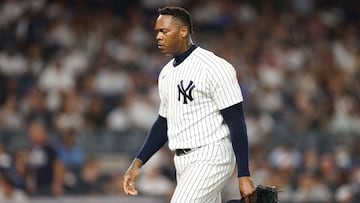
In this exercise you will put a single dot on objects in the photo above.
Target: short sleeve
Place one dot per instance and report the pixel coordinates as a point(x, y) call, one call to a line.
point(224, 87)
point(163, 94)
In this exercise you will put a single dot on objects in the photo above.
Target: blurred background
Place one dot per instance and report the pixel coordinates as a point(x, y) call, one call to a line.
point(78, 93)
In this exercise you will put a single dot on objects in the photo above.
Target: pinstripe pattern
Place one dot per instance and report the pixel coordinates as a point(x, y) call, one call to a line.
point(201, 174)
point(199, 122)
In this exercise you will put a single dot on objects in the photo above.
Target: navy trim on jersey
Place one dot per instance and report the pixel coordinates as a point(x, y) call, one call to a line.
point(179, 59)
point(235, 119)
point(156, 138)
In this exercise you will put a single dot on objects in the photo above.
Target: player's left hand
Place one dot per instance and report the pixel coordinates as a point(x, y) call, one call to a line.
point(247, 189)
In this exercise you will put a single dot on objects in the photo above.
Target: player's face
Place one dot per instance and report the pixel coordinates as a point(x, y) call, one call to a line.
point(169, 35)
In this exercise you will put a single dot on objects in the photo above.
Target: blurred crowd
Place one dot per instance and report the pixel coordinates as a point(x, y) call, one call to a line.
point(79, 78)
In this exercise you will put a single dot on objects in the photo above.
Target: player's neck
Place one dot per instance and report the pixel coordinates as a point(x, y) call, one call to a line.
point(183, 50)
point(185, 47)
point(180, 58)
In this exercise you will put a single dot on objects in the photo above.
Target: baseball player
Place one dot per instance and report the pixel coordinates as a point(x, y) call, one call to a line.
point(200, 115)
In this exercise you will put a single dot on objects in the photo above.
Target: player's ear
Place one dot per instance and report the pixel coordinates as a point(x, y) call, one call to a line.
point(184, 31)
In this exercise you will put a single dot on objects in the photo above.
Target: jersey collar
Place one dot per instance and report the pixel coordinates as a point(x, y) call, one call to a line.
point(179, 59)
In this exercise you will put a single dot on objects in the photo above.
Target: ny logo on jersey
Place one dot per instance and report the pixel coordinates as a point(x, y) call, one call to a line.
point(186, 93)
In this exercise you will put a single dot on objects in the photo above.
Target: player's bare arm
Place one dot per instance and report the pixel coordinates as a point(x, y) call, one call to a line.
point(131, 176)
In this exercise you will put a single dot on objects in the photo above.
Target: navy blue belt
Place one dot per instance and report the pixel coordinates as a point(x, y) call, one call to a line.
point(180, 152)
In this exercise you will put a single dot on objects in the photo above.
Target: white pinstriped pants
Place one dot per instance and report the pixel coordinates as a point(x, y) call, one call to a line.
point(202, 173)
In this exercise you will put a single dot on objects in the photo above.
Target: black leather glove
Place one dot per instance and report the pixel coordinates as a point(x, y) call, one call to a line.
point(264, 194)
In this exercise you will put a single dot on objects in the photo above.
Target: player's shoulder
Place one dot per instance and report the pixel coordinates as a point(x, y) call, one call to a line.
point(211, 60)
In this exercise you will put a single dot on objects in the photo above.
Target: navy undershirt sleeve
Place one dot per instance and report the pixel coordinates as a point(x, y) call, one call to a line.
point(156, 138)
point(235, 119)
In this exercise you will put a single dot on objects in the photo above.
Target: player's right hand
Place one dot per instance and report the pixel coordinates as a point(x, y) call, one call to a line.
point(130, 178)
point(247, 189)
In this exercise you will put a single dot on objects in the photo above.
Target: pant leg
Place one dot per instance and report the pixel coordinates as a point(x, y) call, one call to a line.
point(203, 173)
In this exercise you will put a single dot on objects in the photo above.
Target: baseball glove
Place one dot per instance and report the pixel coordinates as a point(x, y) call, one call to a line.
point(264, 194)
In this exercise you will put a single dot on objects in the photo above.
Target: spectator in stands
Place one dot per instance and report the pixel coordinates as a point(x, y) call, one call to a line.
point(55, 78)
point(11, 118)
point(46, 168)
point(70, 116)
point(34, 107)
point(5, 158)
point(312, 189)
point(9, 193)
point(20, 167)
point(138, 105)
point(118, 119)
point(95, 116)
point(73, 157)
point(69, 150)
point(91, 180)
point(12, 63)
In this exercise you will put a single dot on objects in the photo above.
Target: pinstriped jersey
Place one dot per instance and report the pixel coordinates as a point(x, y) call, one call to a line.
point(192, 94)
